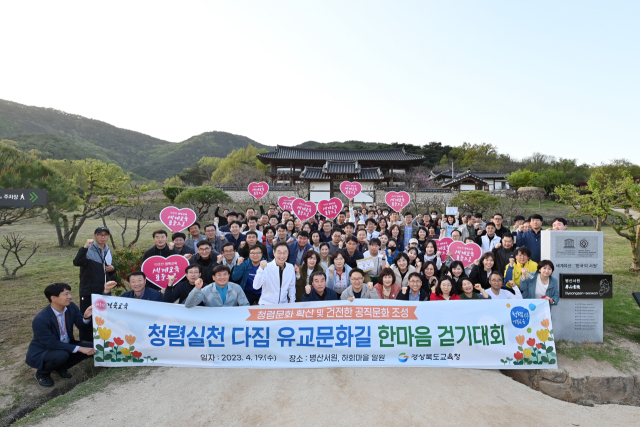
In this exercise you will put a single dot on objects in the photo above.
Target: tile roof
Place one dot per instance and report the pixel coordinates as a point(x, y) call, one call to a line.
point(366, 174)
point(462, 177)
point(482, 175)
point(340, 166)
point(396, 154)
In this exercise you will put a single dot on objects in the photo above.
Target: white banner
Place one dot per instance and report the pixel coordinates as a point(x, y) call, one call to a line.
point(496, 334)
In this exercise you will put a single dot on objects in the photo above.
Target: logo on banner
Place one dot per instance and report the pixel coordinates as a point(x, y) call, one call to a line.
point(177, 219)
point(443, 246)
point(285, 203)
point(520, 317)
point(303, 209)
point(403, 357)
point(397, 201)
point(466, 253)
point(350, 189)
point(330, 208)
point(258, 189)
point(158, 269)
point(100, 305)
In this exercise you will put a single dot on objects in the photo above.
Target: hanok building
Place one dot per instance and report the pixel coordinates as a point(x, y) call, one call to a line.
point(322, 171)
point(469, 180)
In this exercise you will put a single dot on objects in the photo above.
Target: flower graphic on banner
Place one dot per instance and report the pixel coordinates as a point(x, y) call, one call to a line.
point(113, 351)
point(537, 352)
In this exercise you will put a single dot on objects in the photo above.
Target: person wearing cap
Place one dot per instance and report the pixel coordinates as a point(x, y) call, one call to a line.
point(96, 269)
point(531, 238)
point(413, 243)
point(178, 240)
point(298, 248)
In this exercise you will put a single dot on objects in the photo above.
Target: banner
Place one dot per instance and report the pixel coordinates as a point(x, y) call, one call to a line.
point(495, 334)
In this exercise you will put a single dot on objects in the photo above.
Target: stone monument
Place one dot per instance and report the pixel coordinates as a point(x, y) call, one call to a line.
point(575, 252)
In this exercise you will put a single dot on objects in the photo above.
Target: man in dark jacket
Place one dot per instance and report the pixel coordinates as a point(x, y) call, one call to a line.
point(298, 248)
point(160, 246)
point(252, 239)
point(416, 291)
point(53, 347)
point(503, 251)
point(179, 246)
point(318, 290)
point(180, 291)
point(531, 239)
point(205, 260)
point(137, 282)
point(94, 260)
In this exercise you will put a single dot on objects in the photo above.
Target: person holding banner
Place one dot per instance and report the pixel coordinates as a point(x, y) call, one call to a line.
point(541, 284)
point(318, 290)
point(443, 291)
point(221, 293)
point(310, 264)
point(497, 292)
point(180, 291)
point(277, 279)
point(137, 282)
point(53, 347)
point(417, 292)
point(244, 274)
point(357, 290)
point(386, 287)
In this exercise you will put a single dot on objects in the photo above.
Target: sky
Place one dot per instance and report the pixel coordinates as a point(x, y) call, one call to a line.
point(560, 78)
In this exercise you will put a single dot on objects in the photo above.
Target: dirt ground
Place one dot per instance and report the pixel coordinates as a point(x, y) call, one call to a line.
point(333, 397)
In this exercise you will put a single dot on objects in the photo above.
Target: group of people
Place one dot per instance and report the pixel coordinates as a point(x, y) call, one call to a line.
point(244, 259)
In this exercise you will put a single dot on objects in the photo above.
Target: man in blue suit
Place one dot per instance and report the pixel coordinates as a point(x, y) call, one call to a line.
point(53, 347)
point(298, 248)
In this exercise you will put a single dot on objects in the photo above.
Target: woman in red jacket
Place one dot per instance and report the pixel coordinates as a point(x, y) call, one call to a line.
point(443, 291)
point(386, 287)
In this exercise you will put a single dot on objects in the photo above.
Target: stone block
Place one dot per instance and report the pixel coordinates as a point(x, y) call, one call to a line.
point(612, 389)
point(523, 376)
point(554, 375)
point(554, 389)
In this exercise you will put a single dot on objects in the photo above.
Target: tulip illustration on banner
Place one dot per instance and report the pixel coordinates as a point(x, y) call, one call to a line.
point(176, 219)
point(397, 201)
point(303, 209)
point(350, 189)
point(258, 189)
point(330, 208)
point(285, 203)
point(158, 269)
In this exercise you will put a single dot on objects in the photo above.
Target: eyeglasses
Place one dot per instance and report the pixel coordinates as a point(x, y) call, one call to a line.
point(204, 249)
point(255, 253)
point(357, 279)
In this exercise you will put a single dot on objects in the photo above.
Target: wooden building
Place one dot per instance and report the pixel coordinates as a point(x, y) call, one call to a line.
point(322, 171)
point(472, 180)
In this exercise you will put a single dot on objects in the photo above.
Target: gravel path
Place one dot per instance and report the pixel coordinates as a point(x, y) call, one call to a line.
point(332, 397)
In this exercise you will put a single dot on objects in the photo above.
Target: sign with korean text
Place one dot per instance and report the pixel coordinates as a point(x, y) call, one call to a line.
point(303, 209)
point(466, 253)
point(496, 334)
point(258, 189)
point(330, 208)
point(176, 219)
point(366, 264)
point(350, 189)
point(397, 201)
point(452, 210)
point(22, 198)
point(285, 203)
point(595, 286)
point(443, 246)
point(158, 269)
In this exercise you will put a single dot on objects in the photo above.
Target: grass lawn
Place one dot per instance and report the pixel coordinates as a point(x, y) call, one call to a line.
point(23, 298)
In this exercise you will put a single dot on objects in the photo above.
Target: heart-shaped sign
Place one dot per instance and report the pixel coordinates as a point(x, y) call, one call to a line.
point(285, 203)
point(350, 189)
point(303, 209)
point(177, 219)
point(397, 201)
point(258, 189)
point(466, 253)
point(443, 246)
point(330, 208)
point(158, 269)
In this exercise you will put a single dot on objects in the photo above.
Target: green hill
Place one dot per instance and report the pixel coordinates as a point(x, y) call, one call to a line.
point(59, 135)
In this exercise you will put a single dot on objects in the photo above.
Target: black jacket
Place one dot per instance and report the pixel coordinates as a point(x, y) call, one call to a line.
point(502, 258)
point(424, 295)
point(164, 252)
point(207, 269)
point(329, 295)
point(180, 291)
point(93, 275)
point(478, 275)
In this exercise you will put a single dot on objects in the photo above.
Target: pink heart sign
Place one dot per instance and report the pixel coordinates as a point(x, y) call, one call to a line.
point(285, 203)
point(350, 189)
point(158, 269)
point(330, 208)
point(466, 253)
point(443, 246)
point(177, 219)
point(397, 201)
point(303, 209)
point(258, 189)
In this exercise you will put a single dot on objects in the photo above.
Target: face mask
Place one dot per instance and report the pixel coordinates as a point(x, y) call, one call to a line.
point(434, 216)
point(392, 248)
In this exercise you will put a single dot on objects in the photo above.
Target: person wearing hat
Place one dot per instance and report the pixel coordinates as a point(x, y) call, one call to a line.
point(96, 269)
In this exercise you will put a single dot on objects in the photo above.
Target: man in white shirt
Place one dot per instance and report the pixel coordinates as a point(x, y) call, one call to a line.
point(496, 291)
point(379, 259)
point(277, 279)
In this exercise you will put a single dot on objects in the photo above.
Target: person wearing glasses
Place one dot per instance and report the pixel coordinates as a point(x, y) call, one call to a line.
point(495, 290)
point(416, 292)
point(245, 273)
point(357, 290)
